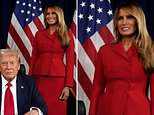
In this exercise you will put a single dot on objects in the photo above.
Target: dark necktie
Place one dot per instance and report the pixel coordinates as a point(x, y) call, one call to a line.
point(8, 101)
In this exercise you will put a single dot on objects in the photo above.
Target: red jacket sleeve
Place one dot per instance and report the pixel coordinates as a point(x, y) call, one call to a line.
point(152, 93)
point(98, 84)
point(70, 59)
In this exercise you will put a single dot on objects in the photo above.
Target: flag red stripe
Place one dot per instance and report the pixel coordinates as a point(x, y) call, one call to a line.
point(84, 81)
point(29, 34)
point(105, 34)
point(90, 50)
point(73, 28)
point(19, 43)
point(38, 24)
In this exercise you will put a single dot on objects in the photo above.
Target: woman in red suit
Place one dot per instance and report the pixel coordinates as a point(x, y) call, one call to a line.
point(51, 45)
point(124, 66)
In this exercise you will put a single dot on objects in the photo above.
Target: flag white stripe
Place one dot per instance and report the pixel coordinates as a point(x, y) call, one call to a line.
point(33, 28)
point(86, 62)
point(82, 96)
point(75, 16)
point(110, 27)
point(97, 41)
point(12, 44)
point(21, 33)
point(41, 18)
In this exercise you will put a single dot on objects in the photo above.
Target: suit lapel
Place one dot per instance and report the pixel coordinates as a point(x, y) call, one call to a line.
point(118, 49)
point(20, 92)
point(132, 51)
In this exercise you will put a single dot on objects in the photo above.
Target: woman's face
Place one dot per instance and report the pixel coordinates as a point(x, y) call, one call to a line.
point(51, 16)
point(126, 23)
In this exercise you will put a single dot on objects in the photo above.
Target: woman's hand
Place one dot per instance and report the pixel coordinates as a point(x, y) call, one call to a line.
point(65, 93)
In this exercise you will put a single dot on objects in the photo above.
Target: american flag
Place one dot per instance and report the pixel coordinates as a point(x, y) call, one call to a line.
point(94, 30)
point(27, 18)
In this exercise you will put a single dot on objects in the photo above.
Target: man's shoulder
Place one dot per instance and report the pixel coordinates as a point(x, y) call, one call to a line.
point(26, 78)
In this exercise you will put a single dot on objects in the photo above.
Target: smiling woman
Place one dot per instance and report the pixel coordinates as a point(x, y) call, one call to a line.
point(53, 77)
point(126, 24)
point(124, 66)
point(51, 17)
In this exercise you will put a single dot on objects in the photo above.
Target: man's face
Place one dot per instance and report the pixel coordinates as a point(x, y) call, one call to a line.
point(9, 66)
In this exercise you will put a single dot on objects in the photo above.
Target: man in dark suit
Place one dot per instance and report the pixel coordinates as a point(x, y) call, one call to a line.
point(24, 91)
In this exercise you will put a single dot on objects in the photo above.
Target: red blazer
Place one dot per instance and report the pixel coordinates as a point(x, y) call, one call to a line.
point(48, 54)
point(119, 86)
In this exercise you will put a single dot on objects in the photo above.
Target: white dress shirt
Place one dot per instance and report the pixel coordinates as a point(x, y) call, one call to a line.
point(14, 93)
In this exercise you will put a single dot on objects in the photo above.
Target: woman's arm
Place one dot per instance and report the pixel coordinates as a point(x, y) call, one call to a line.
point(98, 85)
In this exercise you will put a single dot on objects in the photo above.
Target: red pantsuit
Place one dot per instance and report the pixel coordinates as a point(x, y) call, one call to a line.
point(48, 67)
point(119, 86)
